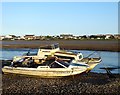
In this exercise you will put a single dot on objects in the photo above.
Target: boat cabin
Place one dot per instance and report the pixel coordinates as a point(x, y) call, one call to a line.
point(48, 50)
point(51, 62)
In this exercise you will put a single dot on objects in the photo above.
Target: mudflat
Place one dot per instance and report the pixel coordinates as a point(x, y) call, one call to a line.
point(104, 45)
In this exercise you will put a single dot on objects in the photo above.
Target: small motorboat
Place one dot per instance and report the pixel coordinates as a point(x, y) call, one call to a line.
point(66, 56)
point(51, 50)
point(50, 67)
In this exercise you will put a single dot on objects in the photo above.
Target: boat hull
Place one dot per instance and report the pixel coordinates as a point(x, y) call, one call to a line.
point(48, 72)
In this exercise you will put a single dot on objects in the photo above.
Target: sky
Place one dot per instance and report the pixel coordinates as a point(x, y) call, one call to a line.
point(55, 18)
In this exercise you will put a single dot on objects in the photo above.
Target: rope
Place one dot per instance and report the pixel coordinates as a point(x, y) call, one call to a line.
point(92, 54)
point(110, 75)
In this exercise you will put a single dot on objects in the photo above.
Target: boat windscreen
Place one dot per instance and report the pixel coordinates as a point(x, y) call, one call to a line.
point(75, 64)
point(56, 46)
point(63, 63)
point(31, 52)
point(58, 64)
point(53, 46)
point(65, 57)
point(46, 47)
point(55, 65)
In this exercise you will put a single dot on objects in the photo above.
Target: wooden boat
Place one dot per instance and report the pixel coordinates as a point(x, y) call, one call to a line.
point(51, 67)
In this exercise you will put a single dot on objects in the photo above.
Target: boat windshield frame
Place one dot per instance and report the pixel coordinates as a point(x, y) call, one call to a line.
point(76, 64)
point(31, 52)
point(62, 63)
point(53, 46)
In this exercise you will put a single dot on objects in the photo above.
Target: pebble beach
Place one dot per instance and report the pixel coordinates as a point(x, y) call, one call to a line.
point(90, 83)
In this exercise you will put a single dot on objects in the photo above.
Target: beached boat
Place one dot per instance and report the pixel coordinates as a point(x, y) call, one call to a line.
point(51, 67)
point(72, 56)
point(54, 50)
point(50, 50)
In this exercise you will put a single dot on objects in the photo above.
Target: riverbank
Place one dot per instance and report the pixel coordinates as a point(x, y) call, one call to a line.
point(102, 45)
point(91, 83)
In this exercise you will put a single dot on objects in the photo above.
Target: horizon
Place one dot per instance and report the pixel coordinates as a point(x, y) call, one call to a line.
point(77, 18)
point(62, 34)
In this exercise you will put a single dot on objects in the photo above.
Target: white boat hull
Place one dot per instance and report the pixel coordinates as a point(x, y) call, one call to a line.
point(44, 72)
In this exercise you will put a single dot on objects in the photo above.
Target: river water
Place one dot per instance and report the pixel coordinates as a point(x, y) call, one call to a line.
point(109, 59)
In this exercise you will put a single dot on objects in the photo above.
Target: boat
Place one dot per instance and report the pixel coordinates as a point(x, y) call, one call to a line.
point(50, 50)
point(68, 56)
point(51, 67)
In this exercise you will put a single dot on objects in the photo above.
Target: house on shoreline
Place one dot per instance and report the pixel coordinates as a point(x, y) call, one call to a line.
point(62, 36)
point(29, 37)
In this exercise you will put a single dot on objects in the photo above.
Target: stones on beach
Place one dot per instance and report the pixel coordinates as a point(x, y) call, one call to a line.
point(90, 83)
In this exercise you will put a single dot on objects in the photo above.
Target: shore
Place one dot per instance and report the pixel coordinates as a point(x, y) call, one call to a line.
point(102, 45)
point(90, 83)
point(85, 83)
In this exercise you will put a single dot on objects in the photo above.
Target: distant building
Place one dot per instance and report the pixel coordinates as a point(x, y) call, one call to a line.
point(38, 37)
point(117, 36)
point(93, 37)
point(2, 37)
point(66, 36)
point(100, 36)
point(29, 37)
point(19, 38)
point(109, 36)
point(10, 36)
point(84, 37)
point(62, 36)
